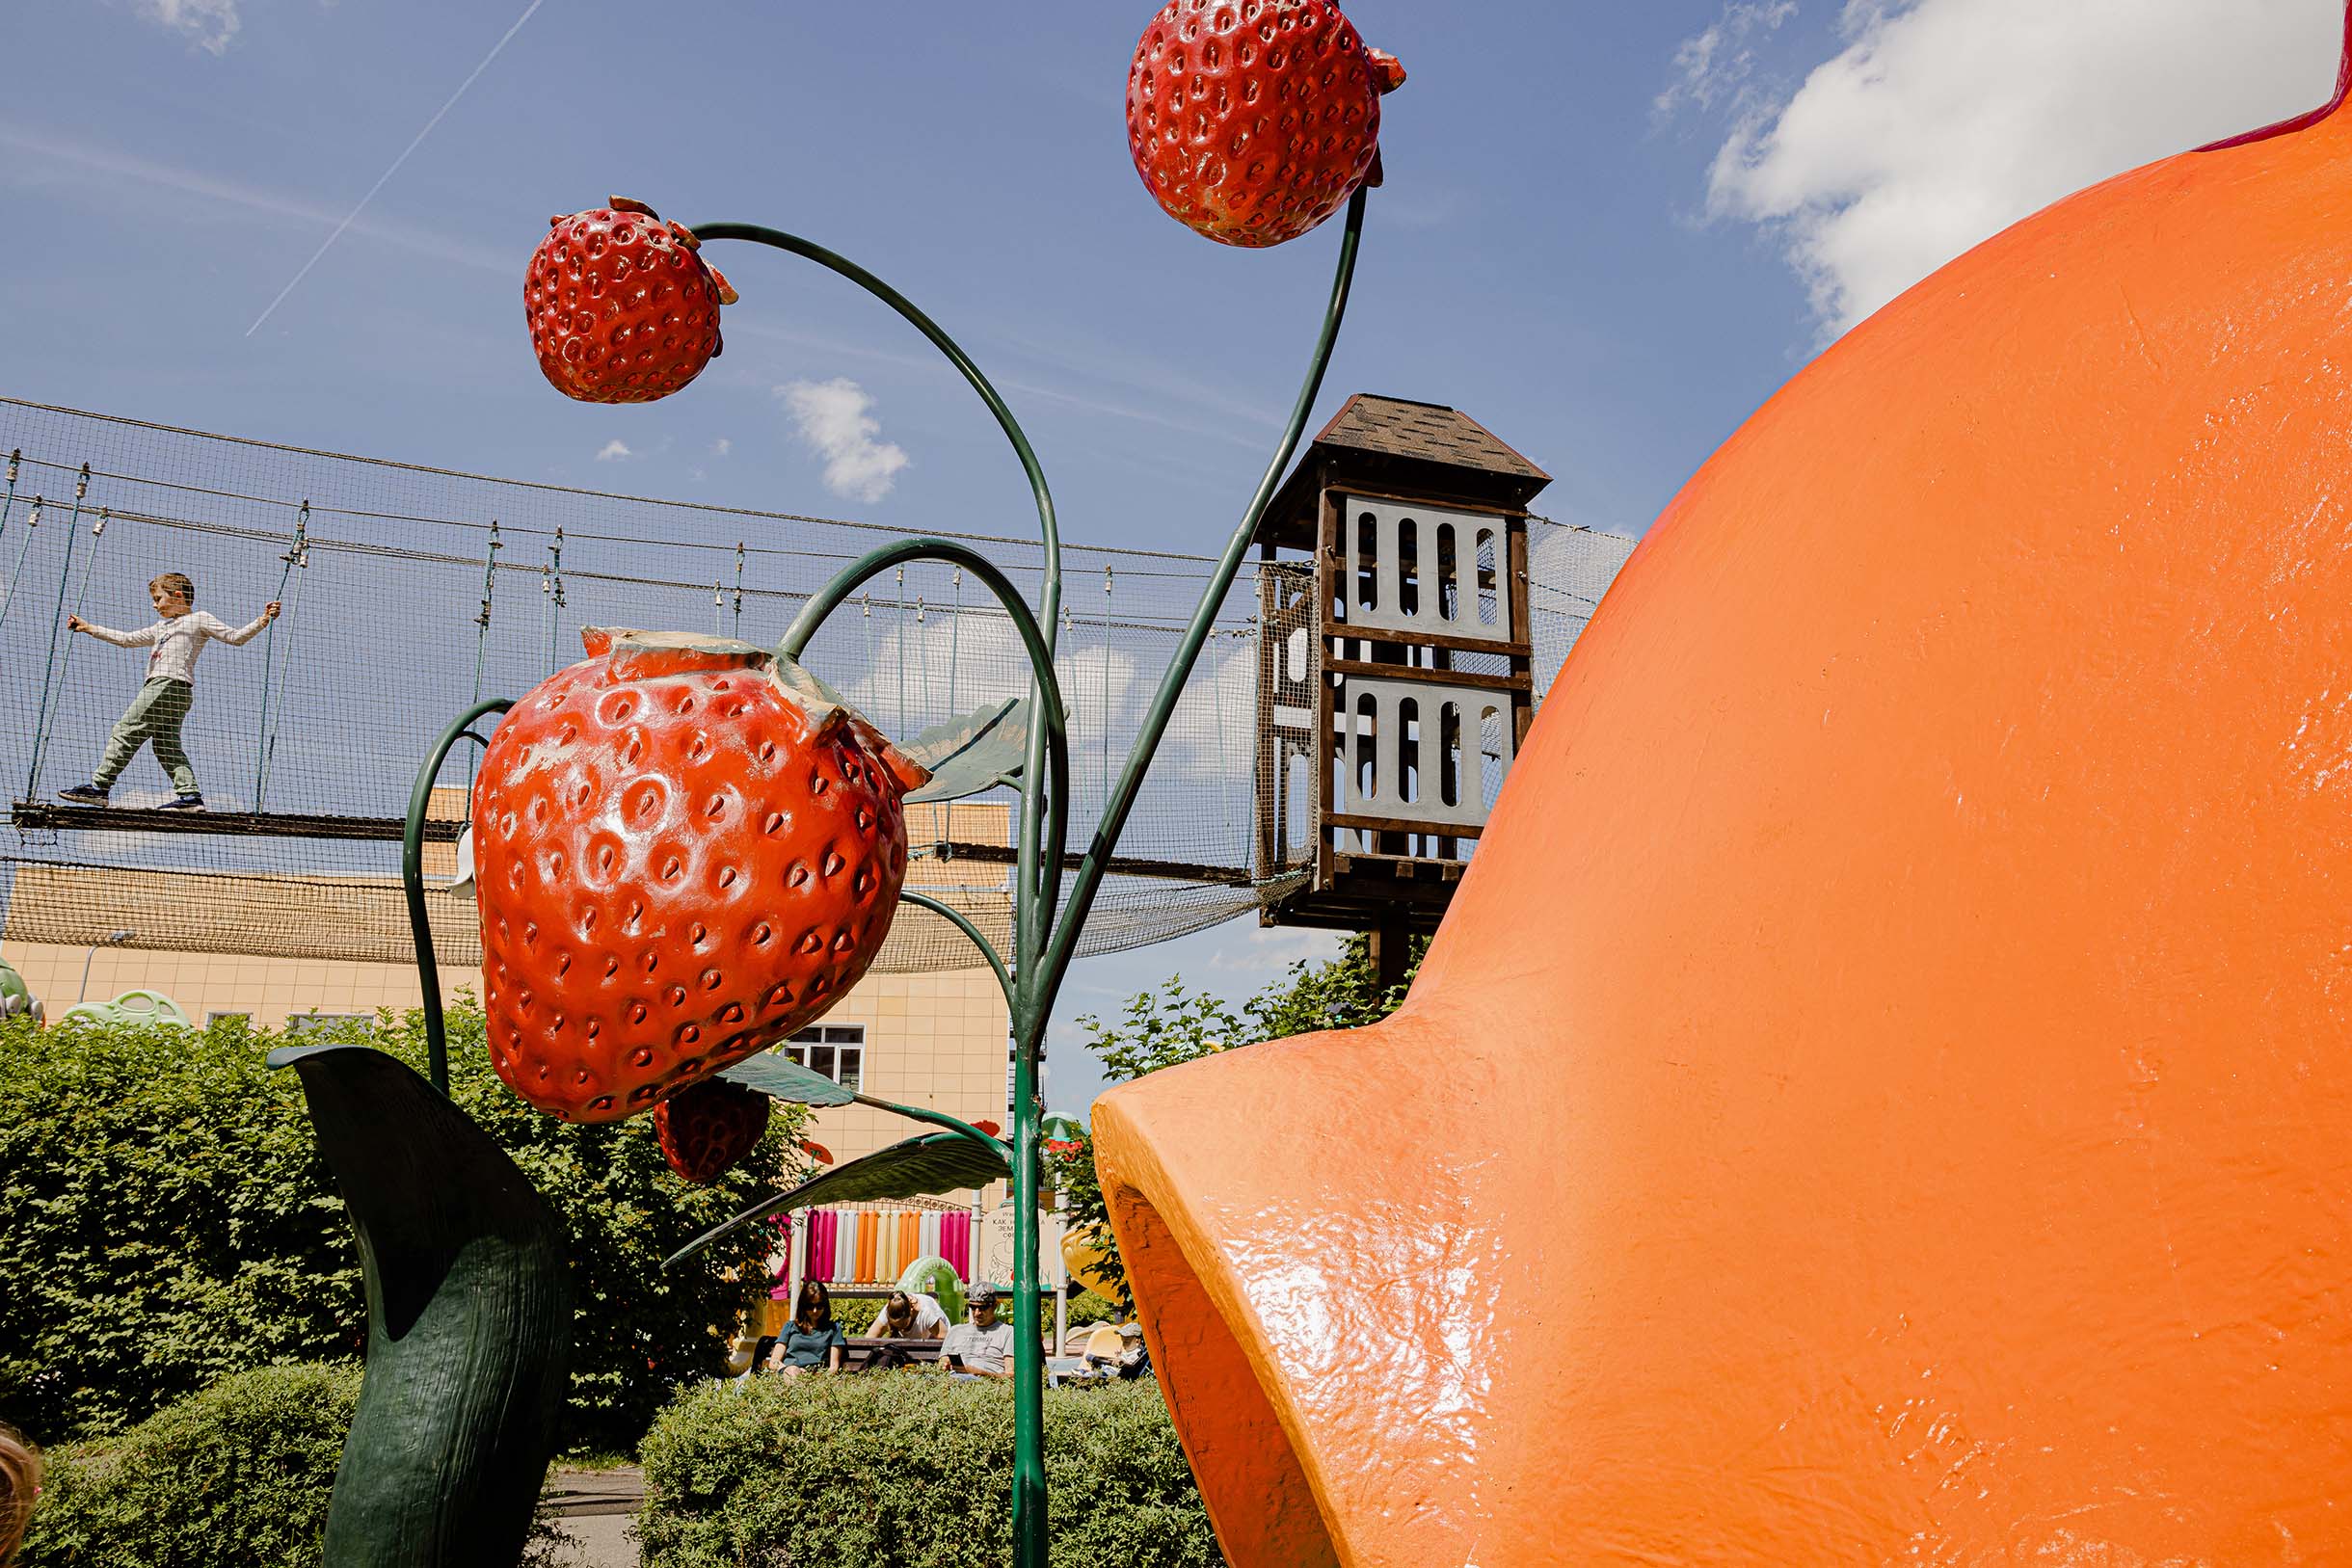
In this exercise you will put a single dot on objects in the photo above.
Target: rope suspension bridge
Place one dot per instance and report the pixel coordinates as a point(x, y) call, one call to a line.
point(307, 740)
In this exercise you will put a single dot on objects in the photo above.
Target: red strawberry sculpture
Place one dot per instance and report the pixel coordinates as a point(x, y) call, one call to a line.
point(1251, 121)
point(684, 851)
point(707, 1126)
point(621, 308)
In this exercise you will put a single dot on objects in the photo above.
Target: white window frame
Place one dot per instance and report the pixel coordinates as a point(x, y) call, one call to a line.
point(305, 1022)
point(846, 1042)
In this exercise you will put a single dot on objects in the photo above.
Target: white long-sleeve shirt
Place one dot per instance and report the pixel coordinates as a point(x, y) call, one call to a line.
point(177, 641)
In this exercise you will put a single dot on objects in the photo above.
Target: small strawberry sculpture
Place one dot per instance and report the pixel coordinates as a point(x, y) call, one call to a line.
point(1251, 121)
point(684, 850)
point(707, 1126)
point(621, 308)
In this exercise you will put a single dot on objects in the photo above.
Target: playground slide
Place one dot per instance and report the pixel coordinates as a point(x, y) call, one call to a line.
point(1880, 1092)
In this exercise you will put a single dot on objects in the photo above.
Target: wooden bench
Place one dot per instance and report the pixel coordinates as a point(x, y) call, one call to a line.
point(862, 1351)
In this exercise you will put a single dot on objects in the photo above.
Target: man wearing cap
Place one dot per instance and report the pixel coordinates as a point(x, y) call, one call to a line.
point(1135, 1361)
point(982, 1343)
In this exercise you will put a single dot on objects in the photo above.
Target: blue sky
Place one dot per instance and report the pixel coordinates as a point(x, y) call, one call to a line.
point(1609, 231)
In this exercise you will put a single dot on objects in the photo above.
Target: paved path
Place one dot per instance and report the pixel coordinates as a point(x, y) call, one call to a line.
point(592, 1507)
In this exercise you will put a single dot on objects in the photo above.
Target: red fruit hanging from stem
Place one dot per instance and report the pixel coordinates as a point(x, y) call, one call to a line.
point(707, 1126)
point(683, 852)
point(1252, 121)
point(621, 308)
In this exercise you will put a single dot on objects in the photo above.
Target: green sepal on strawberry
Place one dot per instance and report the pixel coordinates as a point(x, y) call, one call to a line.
point(622, 306)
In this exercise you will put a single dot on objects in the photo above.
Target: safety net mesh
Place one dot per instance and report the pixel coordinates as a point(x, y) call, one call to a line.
point(412, 592)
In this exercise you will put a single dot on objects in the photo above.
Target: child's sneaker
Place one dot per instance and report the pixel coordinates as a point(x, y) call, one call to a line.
point(83, 795)
point(183, 803)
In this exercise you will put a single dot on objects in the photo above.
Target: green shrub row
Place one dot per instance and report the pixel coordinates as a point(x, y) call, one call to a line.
point(236, 1477)
point(166, 1221)
point(910, 1470)
point(239, 1474)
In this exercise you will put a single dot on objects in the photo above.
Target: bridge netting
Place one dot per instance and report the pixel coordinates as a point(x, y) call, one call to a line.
point(411, 592)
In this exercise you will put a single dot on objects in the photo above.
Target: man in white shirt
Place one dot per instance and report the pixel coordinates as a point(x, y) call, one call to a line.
point(161, 707)
point(984, 1345)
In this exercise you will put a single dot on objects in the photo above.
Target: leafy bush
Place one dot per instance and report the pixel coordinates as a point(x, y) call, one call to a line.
point(165, 1220)
point(1086, 1307)
point(240, 1473)
point(856, 1317)
point(239, 1476)
point(908, 1469)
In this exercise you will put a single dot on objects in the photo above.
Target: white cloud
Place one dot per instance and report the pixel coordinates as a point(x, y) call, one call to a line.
point(209, 24)
point(1715, 67)
point(721, 447)
point(1940, 123)
point(833, 417)
point(615, 450)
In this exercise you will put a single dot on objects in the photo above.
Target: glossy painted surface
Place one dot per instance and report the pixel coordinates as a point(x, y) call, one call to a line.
point(680, 860)
point(1251, 121)
point(621, 308)
point(1881, 1093)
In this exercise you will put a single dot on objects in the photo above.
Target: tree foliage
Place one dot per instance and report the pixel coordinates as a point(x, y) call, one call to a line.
point(167, 1221)
point(1176, 1025)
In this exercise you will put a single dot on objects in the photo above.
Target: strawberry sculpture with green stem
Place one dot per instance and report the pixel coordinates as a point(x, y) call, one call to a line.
point(686, 850)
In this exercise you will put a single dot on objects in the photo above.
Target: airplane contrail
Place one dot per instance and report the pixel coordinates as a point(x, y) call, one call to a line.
point(395, 166)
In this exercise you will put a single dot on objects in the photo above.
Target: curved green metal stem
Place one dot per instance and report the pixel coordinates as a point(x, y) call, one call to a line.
point(963, 922)
point(412, 881)
point(1048, 532)
point(924, 324)
point(1045, 814)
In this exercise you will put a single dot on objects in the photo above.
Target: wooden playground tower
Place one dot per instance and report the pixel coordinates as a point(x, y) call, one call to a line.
point(1396, 668)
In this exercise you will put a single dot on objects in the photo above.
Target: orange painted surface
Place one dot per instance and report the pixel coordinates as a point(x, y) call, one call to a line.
point(1881, 1094)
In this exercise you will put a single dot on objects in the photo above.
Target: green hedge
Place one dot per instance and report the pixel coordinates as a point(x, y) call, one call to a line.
point(240, 1473)
point(236, 1477)
point(908, 1469)
point(166, 1221)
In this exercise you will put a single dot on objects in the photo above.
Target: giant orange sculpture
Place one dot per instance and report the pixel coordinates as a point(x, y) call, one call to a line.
point(1882, 1093)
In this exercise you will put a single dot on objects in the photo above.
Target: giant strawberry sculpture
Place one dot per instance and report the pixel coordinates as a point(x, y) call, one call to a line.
point(684, 851)
point(621, 308)
point(1251, 121)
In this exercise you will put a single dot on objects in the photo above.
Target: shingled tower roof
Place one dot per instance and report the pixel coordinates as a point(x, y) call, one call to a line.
point(1393, 446)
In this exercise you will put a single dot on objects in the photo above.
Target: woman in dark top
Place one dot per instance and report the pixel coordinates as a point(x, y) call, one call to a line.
point(812, 1339)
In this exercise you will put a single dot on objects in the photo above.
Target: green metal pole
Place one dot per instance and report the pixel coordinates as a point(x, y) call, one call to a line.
point(481, 636)
point(412, 880)
point(295, 555)
point(1122, 802)
point(14, 460)
point(24, 553)
point(57, 622)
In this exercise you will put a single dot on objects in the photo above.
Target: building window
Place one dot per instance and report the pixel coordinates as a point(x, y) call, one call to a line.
point(305, 1022)
point(837, 1050)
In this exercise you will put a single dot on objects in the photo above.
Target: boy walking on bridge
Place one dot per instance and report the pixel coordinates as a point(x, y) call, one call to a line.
point(157, 712)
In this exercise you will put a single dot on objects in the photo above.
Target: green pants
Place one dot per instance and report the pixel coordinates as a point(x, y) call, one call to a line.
point(153, 718)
